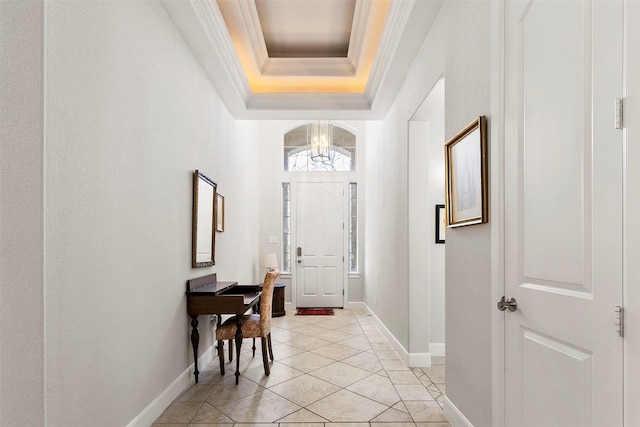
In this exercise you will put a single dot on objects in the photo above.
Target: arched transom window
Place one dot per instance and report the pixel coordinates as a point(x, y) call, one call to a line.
point(301, 149)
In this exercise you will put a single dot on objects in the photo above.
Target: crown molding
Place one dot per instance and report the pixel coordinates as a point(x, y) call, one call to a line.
point(358, 31)
point(249, 16)
point(341, 67)
point(409, 23)
point(399, 13)
point(213, 24)
point(320, 101)
point(201, 24)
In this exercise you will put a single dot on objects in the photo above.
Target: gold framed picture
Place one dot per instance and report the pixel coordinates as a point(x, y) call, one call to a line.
point(219, 212)
point(466, 175)
point(441, 223)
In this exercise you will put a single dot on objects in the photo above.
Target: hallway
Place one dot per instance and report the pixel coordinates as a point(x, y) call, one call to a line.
point(337, 371)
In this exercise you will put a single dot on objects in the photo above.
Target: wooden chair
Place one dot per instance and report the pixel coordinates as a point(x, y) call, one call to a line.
point(253, 326)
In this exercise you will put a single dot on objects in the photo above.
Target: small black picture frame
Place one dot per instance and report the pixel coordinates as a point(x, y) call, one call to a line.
point(441, 223)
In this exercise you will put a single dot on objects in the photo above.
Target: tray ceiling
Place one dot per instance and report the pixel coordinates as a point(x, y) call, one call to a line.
point(305, 58)
point(306, 29)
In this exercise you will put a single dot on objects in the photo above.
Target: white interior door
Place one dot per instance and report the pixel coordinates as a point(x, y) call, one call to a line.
point(319, 250)
point(563, 213)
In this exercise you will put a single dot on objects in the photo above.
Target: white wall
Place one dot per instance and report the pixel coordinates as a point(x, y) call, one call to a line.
point(21, 214)
point(420, 242)
point(386, 260)
point(426, 258)
point(129, 116)
point(436, 269)
point(458, 47)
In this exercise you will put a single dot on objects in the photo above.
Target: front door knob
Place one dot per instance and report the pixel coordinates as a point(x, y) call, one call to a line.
point(509, 304)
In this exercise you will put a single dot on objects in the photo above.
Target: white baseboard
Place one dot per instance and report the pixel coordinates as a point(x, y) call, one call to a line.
point(355, 306)
point(399, 348)
point(455, 417)
point(164, 399)
point(419, 360)
point(413, 360)
point(289, 306)
point(437, 348)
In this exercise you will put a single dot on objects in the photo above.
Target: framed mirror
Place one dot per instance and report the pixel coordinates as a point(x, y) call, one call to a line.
point(203, 235)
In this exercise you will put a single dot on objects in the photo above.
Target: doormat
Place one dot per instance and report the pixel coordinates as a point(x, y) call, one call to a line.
point(314, 312)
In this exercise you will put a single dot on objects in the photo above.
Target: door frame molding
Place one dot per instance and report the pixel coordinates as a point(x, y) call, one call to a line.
point(497, 179)
point(311, 178)
point(631, 200)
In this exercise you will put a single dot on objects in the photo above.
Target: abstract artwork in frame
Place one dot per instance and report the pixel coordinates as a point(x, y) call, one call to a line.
point(466, 175)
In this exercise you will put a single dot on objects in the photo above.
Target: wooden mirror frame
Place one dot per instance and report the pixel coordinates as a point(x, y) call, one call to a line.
point(203, 221)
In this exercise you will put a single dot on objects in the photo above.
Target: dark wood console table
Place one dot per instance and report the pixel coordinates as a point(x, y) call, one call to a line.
point(205, 295)
point(278, 300)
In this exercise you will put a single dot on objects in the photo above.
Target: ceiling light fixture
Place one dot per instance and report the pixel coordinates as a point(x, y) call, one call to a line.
point(320, 140)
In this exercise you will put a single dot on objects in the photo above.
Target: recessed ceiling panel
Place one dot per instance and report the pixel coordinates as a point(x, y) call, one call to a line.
point(376, 42)
point(306, 28)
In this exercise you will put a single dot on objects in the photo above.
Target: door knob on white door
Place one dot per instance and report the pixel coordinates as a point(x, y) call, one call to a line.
point(509, 304)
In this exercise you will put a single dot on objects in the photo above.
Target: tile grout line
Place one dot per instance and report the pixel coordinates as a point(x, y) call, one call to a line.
point(349, 319)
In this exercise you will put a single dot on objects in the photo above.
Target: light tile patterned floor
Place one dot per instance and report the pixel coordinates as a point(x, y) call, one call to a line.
point(329, 371)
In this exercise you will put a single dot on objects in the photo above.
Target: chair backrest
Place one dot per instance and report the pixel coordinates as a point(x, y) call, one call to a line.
point(266, 301)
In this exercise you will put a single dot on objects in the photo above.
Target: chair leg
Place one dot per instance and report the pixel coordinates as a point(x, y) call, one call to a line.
point(221, 355)
point(265, 362)
point(230, 350)
point(254, 347)
point(270, 347)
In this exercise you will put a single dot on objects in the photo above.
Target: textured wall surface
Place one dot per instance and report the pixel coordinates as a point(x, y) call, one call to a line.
point(458, 48)
point(129, 116)
point(21, 213)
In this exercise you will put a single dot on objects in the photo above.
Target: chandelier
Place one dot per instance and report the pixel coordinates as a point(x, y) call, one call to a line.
point(320, 138)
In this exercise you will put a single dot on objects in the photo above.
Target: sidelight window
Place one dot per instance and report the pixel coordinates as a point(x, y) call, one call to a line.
point(353, 227)
point(286, 227)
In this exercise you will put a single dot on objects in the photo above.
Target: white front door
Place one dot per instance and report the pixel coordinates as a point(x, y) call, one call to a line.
point(563, 213)
point(319, 249)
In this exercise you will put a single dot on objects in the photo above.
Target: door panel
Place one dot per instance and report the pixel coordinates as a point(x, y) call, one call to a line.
point(555, 134)
point(320, 235)
point(549, 362)
point(563, 213)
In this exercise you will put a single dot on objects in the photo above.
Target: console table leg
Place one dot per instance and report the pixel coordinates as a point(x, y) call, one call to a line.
point(239, 338)
point(195, 339)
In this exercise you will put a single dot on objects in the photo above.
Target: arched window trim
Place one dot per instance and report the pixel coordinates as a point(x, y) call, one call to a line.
point(342, 160)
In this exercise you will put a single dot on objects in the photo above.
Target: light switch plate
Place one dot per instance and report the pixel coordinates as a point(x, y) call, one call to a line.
point(273, 240)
